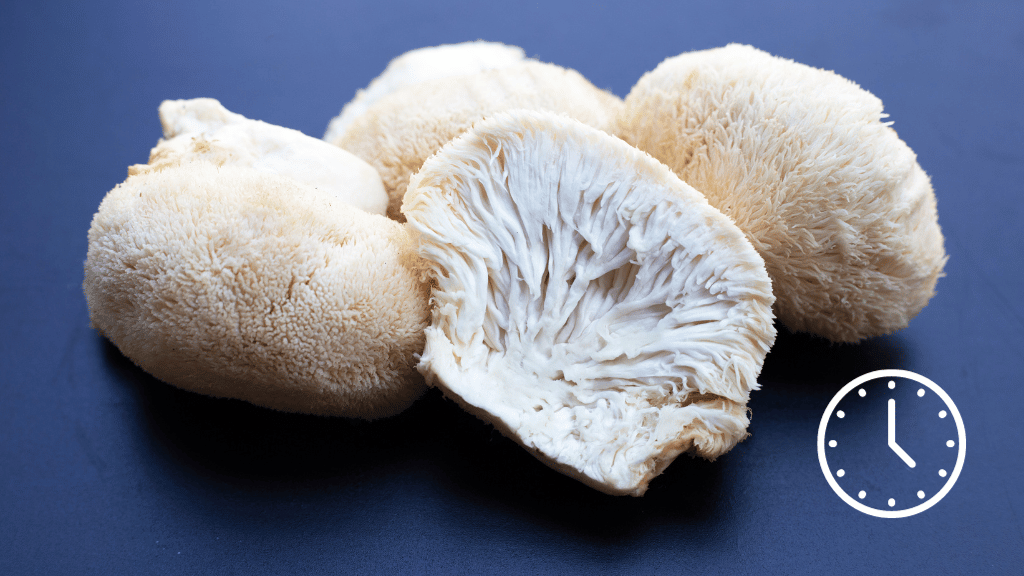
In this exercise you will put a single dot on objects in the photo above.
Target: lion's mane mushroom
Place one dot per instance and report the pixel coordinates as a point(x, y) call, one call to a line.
point(588, 303)
point(236, 283)
point(420, 65)
point(800, 158)
point(202, 129)
point(401, 130)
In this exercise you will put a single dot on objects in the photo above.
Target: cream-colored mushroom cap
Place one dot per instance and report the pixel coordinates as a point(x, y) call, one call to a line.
point(236, 283)
point(202, 129)
point(403, 129)
point(800, 158)
point(424, 64)
point(588, 303)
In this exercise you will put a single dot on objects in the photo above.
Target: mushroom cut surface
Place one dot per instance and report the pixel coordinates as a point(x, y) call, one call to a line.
point(802, 161)
point(587, 302)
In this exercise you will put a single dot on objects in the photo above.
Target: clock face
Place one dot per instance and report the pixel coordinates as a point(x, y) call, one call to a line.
point(891, 443)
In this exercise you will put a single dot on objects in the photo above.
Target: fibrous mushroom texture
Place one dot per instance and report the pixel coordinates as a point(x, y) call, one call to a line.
point(424, 64)
point(235, 283)
point(202, 129)
point(403, 129)
point(800, 158)
point(588, 303)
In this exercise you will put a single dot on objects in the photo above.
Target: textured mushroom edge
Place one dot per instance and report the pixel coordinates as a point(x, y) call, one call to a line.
point(612, 295)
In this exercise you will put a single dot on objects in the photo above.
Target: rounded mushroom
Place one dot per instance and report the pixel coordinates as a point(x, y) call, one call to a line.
point(401, 130)
point(236, 283)
point(424, 64)
point(587, 302)
point(801, 160)
point(202, 129)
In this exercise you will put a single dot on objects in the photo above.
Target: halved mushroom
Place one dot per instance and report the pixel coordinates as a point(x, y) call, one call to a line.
point(587, 302)
point(202, 129)
point(401, 130)
point(236, 283)
point(801, 160)
point(424, 64)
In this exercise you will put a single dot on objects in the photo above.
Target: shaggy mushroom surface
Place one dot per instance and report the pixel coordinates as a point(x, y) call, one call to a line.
point(401, 130)
point(201, 129)
point(420, 65)
point(587, 302)
point(235, 283)
point(802, 161)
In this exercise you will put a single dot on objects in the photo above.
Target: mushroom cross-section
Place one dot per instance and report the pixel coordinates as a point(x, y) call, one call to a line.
point(587, 302)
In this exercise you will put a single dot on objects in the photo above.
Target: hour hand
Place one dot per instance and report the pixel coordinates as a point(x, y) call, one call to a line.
point(892, 436)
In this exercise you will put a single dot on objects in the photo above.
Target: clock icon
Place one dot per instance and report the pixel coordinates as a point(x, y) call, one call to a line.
point(891, 443)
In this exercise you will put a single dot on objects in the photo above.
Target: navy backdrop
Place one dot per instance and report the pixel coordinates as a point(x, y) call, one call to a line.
point(104, 470)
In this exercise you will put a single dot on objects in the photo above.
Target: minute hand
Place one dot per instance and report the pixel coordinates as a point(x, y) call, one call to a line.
point(892, 436)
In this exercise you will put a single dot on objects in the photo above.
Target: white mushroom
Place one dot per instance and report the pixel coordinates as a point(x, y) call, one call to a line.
point(236, 283)
point(800, 158)
point(401, 130)
point(202, 129)
point(587, 302)
point(420, 65)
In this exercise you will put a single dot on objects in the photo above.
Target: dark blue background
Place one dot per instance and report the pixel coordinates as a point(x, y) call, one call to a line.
point(104, 470)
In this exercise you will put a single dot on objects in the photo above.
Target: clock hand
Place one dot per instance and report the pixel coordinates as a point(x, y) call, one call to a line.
point(892, 436)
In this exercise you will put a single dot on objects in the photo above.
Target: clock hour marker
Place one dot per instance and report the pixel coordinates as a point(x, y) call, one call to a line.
point(841, 473)
point(862, 393)
point(891, 384)
point(950, 443)
point(892, 502)
point(942, 473)
point(920, 494)
point(841, 414)
point(920, 392)
point(942, 414)
point(862, 495)
point(831, 443)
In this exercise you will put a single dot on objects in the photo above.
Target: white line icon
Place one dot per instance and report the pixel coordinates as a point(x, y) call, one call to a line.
point(892, 436)
point(931, 427)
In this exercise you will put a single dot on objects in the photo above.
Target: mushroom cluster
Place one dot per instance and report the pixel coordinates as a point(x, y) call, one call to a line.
point(596, 277)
